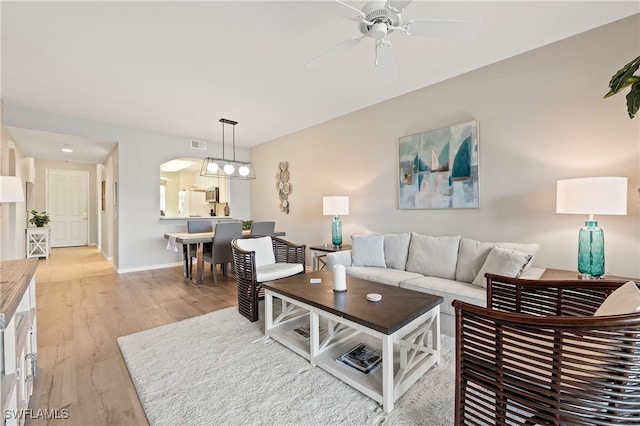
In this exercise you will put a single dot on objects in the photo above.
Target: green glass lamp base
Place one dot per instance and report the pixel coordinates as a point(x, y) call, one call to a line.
point(591, 250)
point(336, 232)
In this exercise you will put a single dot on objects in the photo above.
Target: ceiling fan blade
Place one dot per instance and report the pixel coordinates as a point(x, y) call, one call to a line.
point(334, 51)
point(386, 62)
point(459, 30)
point(336, 7)
point(397, 6)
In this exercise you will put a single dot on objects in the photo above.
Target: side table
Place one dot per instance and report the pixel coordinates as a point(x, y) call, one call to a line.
point(38, 242)
point(562, 274)
point(319, 254)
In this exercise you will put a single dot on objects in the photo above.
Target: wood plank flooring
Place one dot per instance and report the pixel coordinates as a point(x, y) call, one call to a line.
point(83, 306)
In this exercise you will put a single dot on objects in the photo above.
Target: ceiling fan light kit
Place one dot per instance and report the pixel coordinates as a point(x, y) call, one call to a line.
point(378, 19)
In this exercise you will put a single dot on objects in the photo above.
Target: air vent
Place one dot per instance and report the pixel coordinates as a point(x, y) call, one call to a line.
point(198, 145)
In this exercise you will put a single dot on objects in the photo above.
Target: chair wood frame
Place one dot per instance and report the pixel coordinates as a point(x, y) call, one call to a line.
point(537, 355)
point(249, 289)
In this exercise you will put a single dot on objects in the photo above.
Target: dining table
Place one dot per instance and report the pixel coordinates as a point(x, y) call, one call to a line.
point(198, 239)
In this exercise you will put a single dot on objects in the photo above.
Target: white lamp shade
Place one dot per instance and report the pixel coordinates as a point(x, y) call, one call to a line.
point(11, 189)
point(593, 195)
point(335, 205)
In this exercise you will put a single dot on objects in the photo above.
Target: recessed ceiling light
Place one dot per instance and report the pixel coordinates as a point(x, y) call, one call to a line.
point(67, 148)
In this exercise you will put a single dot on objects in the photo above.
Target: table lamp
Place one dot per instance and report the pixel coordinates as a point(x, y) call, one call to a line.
point(593, 195)
point(11, 189)
point(335, 205)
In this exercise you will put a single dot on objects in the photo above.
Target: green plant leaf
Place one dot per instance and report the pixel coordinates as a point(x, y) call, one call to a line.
point(633, 99)
point(629, 82)
point(620, 78)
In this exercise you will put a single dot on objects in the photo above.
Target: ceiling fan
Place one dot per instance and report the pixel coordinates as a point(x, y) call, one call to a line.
point(378, 19)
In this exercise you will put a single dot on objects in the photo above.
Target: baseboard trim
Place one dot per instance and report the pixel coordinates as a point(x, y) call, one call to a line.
point(149, 267)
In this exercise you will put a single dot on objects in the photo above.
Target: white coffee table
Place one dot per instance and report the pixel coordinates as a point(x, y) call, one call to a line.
point(404, 325)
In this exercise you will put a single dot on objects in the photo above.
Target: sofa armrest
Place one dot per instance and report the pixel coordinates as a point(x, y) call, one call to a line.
point(338, 258)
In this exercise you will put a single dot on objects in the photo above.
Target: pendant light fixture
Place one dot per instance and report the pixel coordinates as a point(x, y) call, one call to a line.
point(232, 169)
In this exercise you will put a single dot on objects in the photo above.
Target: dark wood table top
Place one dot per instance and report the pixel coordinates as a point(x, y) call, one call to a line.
point(397, 308)
point(330, 248)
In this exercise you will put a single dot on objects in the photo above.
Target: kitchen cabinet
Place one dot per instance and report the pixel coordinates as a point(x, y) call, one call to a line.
point(18, 336)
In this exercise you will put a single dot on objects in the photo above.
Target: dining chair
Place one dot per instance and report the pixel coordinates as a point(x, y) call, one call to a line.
point(262, 228)
point(224, 233)
point(196, 227)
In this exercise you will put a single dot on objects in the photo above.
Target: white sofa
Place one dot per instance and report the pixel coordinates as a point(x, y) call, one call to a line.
point(452, 267)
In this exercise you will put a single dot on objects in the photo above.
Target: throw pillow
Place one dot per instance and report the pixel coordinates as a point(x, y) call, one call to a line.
point(500, 261)
point(624, 300)
point(530, 249)
point(433, 256)
point(396, 250)
point(367, 250)
point(471, 256)
point(263, 247)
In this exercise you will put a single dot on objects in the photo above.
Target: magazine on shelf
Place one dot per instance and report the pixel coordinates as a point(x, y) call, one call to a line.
point(362, 357)
point(303, 332)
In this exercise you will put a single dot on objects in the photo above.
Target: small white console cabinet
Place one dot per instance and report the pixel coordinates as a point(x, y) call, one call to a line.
point(18, 338)
point(38, 242)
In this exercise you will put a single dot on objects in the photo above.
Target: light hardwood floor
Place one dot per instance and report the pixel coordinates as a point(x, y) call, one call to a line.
point(83, 306)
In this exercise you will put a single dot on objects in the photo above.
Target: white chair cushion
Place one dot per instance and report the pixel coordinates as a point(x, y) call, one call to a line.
point(263, 247)
point(500, 261)
point(624, 300)
point(433, 256)
point(396, 250)
point(276, 271)
point(367, 250)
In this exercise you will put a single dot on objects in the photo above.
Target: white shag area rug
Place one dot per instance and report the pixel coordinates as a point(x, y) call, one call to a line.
point(219, 368)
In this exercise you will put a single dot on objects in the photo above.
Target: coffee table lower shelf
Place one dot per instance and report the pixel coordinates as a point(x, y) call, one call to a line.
point(407, 354)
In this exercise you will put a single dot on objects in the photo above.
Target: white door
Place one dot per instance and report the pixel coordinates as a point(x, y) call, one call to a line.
point(68, 206)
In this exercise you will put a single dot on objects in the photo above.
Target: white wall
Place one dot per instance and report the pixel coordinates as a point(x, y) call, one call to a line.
point(541, 118)
point(13, 216)
point(138, 241)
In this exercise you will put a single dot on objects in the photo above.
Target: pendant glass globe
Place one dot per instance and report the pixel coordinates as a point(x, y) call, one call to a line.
point(229, 169)
point(212, 167)
point(243, 170)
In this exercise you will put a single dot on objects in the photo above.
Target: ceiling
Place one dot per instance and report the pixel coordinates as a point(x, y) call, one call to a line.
point(178, 67)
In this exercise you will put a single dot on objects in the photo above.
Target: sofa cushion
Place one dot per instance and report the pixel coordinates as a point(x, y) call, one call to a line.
point(500, 261)
point(624, 300)
point(381, 275)
point(473, 253)
point(471, 256)
point(276, 271)
point(433, 256)
point(367, 250)
point(449, 290)
point(263, 247)
point(396, 250)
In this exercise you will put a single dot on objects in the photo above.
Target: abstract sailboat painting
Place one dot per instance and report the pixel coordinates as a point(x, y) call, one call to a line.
point(438, 169)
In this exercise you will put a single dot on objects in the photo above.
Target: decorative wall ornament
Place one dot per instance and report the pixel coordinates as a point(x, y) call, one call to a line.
point(438, 169)
point(283, 186)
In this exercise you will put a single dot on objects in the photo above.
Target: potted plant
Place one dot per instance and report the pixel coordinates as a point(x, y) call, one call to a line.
point(246, 224)
point(39, 219)
point(625, 78)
